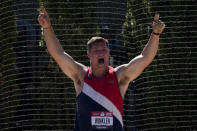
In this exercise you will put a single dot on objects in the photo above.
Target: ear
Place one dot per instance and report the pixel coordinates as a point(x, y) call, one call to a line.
point(88, 53)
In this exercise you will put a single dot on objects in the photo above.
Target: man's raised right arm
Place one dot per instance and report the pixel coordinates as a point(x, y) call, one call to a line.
point(70, 67)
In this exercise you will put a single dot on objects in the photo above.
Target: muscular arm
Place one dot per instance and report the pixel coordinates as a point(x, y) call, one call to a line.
point(70, 67)
point(128, 72)
point(135, 67)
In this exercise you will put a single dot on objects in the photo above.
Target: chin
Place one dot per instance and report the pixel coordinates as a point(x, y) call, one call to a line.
point(102, 66)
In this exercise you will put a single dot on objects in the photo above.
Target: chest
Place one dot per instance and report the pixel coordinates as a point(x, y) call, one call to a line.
point(105, 85)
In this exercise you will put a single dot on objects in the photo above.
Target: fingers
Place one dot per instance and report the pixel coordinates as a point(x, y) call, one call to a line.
point(158, 25)
point(161, 25)
point(40, 19)
point(156, 17)
point(43, 19)
point(43, 15)
point(44, 11)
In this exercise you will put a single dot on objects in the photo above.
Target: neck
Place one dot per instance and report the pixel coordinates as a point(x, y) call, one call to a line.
point(99, 73)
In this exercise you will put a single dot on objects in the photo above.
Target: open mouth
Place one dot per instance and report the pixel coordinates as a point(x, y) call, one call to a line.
point(101, 60)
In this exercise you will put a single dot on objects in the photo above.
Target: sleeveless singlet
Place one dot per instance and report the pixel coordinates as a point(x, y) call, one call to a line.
point(99, 105)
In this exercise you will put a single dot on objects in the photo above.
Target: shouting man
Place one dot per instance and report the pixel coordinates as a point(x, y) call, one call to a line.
point(100, 89)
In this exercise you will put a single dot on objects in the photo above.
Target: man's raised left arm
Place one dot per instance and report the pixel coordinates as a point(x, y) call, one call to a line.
point(128, 72)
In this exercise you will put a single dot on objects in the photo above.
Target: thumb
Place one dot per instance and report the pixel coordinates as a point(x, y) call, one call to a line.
point(156, 17)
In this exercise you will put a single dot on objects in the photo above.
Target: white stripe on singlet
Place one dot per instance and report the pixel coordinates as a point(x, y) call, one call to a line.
point(103, 101)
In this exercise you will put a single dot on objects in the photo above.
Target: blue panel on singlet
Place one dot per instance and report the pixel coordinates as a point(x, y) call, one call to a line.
point(85, 105)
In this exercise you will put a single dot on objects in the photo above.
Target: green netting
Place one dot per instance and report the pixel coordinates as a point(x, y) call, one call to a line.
point(36, 95)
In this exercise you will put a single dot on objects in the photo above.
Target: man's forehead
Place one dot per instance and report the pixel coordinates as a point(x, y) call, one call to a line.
point(97, 44)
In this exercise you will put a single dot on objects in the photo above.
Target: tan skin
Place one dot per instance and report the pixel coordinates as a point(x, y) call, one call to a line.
point(76, 71)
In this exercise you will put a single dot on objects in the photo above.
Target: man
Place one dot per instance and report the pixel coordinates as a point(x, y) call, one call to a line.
point(100, 89)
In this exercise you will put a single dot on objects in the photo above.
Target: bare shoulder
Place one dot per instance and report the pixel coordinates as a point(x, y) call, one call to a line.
point(122, 74)
point(123, 79)
point(82, 69)
point(132, 70)
point(78, 79)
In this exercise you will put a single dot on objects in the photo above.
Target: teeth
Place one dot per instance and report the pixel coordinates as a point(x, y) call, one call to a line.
point(101, 61)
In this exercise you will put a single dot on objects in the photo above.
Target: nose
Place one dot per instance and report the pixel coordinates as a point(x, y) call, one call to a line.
point(101, 52)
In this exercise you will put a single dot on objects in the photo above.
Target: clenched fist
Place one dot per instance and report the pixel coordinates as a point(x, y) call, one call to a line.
point(44, 19)
point(158, 25)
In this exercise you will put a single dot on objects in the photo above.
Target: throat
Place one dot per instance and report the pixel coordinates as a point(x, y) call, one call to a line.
point(99, 73)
